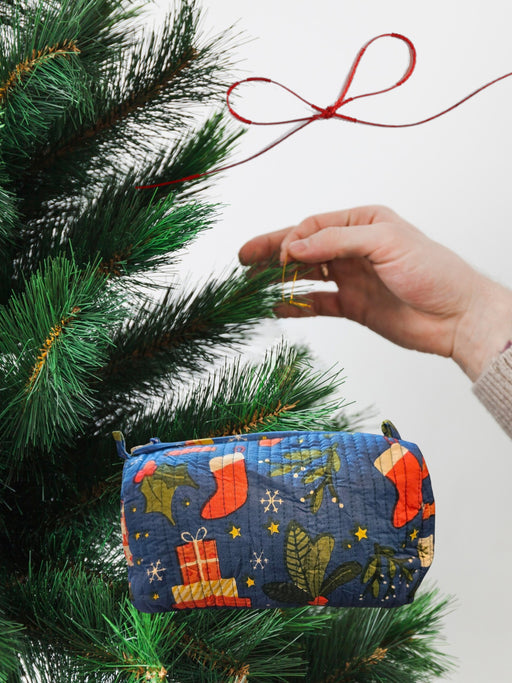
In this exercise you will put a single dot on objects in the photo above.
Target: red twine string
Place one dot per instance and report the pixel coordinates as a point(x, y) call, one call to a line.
point(329, 112)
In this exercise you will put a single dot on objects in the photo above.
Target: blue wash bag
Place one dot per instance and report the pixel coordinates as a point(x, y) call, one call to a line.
point(276, 519)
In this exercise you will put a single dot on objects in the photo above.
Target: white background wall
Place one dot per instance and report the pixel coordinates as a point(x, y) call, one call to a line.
point(452, 178)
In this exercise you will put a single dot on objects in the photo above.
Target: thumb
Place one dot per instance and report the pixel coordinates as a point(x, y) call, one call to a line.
point(313, 249)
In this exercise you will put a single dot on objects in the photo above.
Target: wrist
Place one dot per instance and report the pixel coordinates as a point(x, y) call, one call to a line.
point(485, 328)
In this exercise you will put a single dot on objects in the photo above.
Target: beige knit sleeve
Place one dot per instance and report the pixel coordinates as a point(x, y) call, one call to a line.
point(494, 389)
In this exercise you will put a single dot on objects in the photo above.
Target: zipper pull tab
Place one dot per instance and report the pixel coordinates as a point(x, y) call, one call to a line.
point(389, 430)
point(120, 445)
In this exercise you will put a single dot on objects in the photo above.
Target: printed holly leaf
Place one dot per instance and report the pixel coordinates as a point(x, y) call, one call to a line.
point(159, 488)
point(286, 592)
point(297, 548)
point(316, 561)
point(342, 574)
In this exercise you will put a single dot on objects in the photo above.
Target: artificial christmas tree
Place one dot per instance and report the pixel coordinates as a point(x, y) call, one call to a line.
point(90, 107)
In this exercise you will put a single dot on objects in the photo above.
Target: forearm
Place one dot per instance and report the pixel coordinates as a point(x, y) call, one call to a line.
point(486, 328)
point(483, 349)
point(494, 389)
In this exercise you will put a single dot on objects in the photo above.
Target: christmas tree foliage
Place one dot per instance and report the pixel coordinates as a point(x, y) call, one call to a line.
point(90, 106)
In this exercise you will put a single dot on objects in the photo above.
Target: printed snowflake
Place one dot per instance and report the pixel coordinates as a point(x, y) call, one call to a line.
point(259, 560)
point(155, 571)
point(271, 500)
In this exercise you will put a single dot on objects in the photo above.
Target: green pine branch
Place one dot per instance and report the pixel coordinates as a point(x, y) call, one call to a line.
point(153, 87)
point(53, 54)
point(10, 646)
point(53, 338)
point(126, 231)
point(33, 102)
point(169, 340)
point(69, 611)
point(9, 219)
point(373, 645)
point(283, 392)
point(193, 154)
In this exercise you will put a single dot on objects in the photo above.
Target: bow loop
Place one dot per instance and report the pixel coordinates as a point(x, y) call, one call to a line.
point(330, 112)
point(200, 534)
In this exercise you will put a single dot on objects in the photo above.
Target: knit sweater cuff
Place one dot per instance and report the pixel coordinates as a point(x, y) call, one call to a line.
point(494, 389)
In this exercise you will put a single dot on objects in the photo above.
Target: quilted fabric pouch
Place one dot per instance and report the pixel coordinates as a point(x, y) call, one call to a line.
point(276, 519)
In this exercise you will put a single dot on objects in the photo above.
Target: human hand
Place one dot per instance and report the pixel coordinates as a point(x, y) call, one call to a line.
point(396, 281)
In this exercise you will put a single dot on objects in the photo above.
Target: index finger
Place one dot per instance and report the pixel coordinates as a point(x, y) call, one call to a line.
point(270, 244)
point(265, 246)
point(362, 215)
point(262, 247)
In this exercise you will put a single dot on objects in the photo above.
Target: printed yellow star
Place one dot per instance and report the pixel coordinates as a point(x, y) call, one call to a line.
point(414, 534)
point(250, 582)
point(360, 533)
point(137, 535)
point(155, 596)
point(235, 531)
point(273, 528)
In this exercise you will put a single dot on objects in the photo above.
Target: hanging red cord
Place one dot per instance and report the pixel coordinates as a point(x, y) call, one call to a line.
point(329, 112)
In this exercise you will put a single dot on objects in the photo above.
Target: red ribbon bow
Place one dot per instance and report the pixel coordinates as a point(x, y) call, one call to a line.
point(329, 112)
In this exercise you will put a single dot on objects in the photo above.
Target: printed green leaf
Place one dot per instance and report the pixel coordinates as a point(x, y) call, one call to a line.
point(342, 574)
point(316, 474)
point(385, 550)
point(336, 462)
point(375, 589)
point(297, 548)
point(286, 592)
point(282, 469)
point(370, 570)
point(407, 573)
point(306, 455)
point(316, 499)
point(316, 561)
point(392, 569)
point(159, 489)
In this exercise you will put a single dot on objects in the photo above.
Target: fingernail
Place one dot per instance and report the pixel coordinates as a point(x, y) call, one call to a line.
point(299, 246)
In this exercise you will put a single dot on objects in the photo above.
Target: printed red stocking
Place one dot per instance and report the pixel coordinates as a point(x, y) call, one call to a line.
point(401, 467)
point(231, 479)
